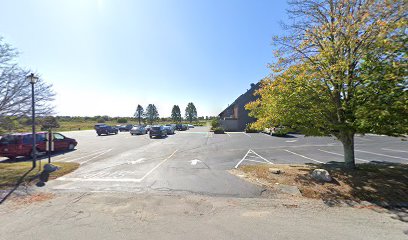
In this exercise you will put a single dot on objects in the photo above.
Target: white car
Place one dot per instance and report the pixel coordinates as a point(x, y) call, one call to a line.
point(190, 126)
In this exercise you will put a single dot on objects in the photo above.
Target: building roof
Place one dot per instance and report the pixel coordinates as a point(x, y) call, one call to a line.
point(244, 98)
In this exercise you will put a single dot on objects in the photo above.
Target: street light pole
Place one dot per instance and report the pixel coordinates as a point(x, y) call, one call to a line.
point(33, 79)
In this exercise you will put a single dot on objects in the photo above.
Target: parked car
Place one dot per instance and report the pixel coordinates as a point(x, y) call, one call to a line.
point(148, 127)
point(124, 128)
point(99, 125)
point(170, 130)
point(138, 129)
point(106, 130)
point(181, 127)
point(190, 126)
point(157, 131)
point(21, 144)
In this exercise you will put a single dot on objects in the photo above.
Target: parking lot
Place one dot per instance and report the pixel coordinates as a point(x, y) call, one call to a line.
point(197, 160)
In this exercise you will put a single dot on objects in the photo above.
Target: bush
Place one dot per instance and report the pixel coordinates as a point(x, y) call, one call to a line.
point(100, 120)
point(49, 122)
point(250, 129)
point(122, 120)
point(219, 130)
point(215, 123)
point(280, 132)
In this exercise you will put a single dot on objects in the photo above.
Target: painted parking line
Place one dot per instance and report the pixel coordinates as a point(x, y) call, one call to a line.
point(88, 155)
point(379, 154)
point(394, 150)
point(360, 159)
point(228, 134)
point(246, 134)
point(137, 180)
point(297, 154)
point(365, 139)
point(92, 158)
point(193, 132)
point(250, 151)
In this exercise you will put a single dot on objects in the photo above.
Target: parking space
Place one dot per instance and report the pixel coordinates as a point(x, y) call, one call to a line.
point(197, 160)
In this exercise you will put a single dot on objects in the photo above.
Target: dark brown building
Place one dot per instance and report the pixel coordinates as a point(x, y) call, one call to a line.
point(235, 116)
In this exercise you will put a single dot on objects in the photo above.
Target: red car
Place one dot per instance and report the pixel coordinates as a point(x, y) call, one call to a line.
point(21, 144)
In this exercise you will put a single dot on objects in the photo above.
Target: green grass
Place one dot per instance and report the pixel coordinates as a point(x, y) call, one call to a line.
point(89, 125)
point(21, 173)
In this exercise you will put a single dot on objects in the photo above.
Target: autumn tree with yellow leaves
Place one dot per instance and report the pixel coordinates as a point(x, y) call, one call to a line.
point(341, 69)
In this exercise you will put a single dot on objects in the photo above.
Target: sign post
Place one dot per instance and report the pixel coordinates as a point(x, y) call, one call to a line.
point(50, 145)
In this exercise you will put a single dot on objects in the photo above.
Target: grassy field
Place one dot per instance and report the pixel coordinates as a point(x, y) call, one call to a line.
point(377, 183)
point(21, 173)
point(89, 125)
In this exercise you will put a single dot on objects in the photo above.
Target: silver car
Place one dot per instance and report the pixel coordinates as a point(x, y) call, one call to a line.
point(138, 130)
point(170, 129)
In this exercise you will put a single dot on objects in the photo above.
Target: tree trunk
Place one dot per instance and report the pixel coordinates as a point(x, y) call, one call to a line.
point(347, 139)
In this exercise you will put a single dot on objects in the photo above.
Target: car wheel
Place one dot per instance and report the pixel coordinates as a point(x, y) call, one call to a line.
point(99, 134)
point(151, 136)
point(71, 146)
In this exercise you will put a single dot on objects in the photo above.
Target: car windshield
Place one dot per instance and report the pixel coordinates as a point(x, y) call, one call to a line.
point(156, 128)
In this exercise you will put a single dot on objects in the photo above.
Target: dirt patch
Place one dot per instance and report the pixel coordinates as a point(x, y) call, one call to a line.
point(32, 198)
point(385, 184)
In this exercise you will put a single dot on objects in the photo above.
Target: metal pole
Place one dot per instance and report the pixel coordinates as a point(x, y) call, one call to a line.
point(34, 152)
point(49, 145)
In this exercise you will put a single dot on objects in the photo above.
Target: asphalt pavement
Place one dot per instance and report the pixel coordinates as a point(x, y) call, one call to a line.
point(134, 187)
point(196, 160)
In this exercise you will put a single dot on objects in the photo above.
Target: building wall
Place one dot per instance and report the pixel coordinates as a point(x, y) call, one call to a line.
point(230, 124)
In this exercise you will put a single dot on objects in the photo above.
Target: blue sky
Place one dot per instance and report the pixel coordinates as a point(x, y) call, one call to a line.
point(105, 57)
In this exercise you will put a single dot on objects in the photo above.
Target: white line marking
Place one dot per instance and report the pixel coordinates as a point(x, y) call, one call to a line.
point(246, 134)
point(365, 139)
point(242, 158)
point(254, 161)
point(140, 160)
point(100, 179)
point(388, 149)
point(228, 134)
point(343, 155)
point(117, 179)
point(252, 152)
point(158, 165)
point(291, 141)
point(96, 156)
point(379, 154)
point(97, 152)
point(302, 156)
point(260, 156)
point(194, 162)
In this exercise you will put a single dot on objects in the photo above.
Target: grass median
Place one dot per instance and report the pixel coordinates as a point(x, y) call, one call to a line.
point(384, 184)
point(21, 173)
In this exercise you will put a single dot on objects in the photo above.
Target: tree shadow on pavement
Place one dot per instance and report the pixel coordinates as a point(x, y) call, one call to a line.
point(16, 185)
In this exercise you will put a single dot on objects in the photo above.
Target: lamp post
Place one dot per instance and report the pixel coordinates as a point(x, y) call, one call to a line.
point(32, 80)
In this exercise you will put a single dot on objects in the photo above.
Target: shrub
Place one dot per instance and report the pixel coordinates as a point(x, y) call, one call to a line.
point(219, 130)
point(280, 132)
point(250, 129)
point(100, 120)
point(215, 123)
point(122, 120)
point(49, 122)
